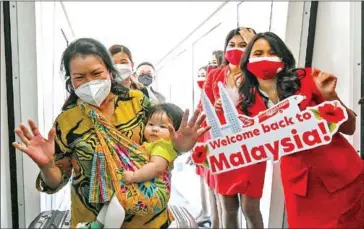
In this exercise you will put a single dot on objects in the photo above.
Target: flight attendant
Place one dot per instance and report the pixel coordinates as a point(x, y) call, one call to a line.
point(324, 186)
point(245, 182)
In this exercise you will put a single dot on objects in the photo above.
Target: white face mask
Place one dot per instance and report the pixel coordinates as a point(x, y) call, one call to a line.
point(94, 92)
point(125, 71)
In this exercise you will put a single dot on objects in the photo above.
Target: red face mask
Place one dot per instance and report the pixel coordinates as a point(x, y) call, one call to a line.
point(210, 68)
point(265, 68)
point(200, 83)
point(233, 55)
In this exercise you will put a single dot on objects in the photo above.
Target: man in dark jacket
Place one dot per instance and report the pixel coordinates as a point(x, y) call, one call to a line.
point(146, 75)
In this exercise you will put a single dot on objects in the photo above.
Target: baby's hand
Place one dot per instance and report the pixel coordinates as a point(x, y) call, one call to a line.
point(128, 177)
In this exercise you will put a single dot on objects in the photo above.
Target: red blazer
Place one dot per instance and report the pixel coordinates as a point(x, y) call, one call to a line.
point(336, 164)
point(207, 87)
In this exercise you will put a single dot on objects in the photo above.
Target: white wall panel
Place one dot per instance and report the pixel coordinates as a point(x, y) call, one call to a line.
point(5, 208)
point(25, 101)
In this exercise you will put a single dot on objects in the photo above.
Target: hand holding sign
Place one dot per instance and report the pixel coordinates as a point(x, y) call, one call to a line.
point(218, 105)
point(281, 130)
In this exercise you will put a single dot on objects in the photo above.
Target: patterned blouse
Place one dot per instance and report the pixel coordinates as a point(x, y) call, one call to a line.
point(75, 145)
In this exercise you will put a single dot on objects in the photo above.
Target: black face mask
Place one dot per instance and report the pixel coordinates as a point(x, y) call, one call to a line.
point(145, 79)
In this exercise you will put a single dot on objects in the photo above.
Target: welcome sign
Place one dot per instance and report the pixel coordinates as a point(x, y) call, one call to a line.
point(281, 130)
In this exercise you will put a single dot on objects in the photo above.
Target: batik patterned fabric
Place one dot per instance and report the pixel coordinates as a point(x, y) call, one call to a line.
point(75, 147)
point(115, 154)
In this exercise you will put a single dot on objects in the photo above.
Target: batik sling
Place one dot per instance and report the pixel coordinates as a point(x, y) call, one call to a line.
point(114, 154)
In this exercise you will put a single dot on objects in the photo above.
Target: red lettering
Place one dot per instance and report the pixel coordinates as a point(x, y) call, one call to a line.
point(299, 117)
point(236, 159)
point(289, 121)
point(287, 145)
point(233, 139)
point(322, 127)
point(239, 137)
point(248, 134)
point(297, 139)
point(311, 138)
point(228, 140)
point(221, 163)
point(258, 153)
point(274, 149)
point(307, 115)
point(274, 126)
point(223, 142)
point(256, 132)
point(281, 123)
point(215, 144)
point(246, 153)
point(265, 128)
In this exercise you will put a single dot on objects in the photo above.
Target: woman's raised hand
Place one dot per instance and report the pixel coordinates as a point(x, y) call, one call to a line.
point(190, 130)
point(39, 149)
point(247, 34)
point(325, 83)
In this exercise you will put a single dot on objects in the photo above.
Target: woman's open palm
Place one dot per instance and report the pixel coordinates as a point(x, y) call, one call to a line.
point(41, 150)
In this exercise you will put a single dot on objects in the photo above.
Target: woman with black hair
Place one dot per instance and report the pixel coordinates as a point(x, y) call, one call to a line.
point(216, 60)
point(101, 121)
point(246, 183)
point(201, 77)
point(123, 63)
point(324, 186)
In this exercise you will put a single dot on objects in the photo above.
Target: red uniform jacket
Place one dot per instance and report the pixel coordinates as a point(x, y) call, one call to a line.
point(336, 164)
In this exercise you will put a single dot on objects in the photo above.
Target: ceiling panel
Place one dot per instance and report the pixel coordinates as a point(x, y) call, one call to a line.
point(148, 29)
